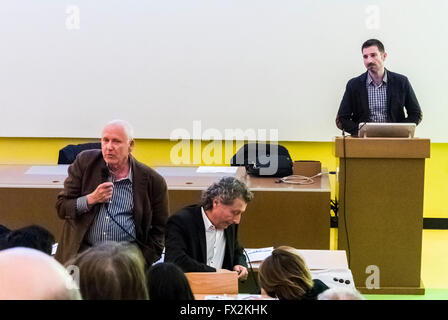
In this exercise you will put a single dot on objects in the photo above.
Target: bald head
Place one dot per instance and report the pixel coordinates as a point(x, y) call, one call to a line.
point(28, 274)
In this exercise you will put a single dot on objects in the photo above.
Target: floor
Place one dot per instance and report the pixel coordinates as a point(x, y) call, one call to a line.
point(434, 269)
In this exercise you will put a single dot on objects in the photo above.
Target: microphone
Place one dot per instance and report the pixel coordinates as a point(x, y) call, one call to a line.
point(252, 272)
point(107, 177)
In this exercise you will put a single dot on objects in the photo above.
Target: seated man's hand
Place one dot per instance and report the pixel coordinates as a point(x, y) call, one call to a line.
point(242, 272)
point(102, 193)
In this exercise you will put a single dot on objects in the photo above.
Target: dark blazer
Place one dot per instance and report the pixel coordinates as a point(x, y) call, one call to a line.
point(186, 243)
point(354, 107)
point(150, 212)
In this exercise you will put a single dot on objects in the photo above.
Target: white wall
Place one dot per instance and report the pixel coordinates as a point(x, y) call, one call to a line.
point(247, 64)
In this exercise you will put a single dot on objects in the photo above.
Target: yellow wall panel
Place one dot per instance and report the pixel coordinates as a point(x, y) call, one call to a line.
point(157, 153)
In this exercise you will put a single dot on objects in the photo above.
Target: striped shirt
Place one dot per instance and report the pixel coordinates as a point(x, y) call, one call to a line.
point(120, 208)
point(377, 99)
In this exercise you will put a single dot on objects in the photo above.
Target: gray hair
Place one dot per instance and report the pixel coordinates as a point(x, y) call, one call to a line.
point(226, 190)
point(126, 127)
point(340, 293)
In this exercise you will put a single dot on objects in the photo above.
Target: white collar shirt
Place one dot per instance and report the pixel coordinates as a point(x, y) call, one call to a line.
point(216, 243)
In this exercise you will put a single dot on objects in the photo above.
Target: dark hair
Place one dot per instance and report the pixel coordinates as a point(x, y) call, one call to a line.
point(111, 271)
point(4, 231)
point(226, 190)
point(285, 275)
point(373, 42)
point(166, 281)
point(34, 237)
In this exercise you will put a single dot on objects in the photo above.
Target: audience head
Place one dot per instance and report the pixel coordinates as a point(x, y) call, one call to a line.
point(3, 230)
point(111, 271)
point(285, 275)
point(225, 201)
point(33, 236)
point(166, 281)
point(3, 233)
point(340, 293)
point(29, 274)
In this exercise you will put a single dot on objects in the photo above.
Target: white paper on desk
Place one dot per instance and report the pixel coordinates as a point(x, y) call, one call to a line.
point(209, 169)
point(59, 170)
point(259, 254)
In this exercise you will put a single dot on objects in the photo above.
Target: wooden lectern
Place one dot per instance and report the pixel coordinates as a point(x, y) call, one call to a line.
point(381, 183)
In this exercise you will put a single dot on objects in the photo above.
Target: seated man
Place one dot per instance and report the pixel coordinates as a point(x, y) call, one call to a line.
point(204, 238)
point(29, 274)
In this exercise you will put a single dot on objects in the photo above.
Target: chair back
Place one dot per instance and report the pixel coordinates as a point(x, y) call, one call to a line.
point(68, 154)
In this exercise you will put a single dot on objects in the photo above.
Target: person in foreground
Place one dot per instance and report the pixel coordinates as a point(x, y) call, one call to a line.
point(33, 236)
point(110, 196)
point(166, 281)
point(340, 293)
point(284, 275)
point(378, 95)
point(111, 271)
point(29, 274)
point(204, 238)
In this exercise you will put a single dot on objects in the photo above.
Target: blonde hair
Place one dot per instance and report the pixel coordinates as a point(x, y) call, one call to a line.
point(111, 271)
point(285, 275)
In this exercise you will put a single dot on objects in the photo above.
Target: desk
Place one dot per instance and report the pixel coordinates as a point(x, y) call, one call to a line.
point(280, 214)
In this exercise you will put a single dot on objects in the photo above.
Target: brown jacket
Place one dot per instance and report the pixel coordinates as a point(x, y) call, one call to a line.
point(150, 205)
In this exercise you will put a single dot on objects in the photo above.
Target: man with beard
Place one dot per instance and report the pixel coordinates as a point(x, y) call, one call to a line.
point(378, 95)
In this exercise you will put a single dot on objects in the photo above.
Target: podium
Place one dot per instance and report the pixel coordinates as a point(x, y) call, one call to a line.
point(381, 184)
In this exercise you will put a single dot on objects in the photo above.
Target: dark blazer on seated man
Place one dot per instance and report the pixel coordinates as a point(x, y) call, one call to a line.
point(354, 107)
point(204, 238)
point(186, 245)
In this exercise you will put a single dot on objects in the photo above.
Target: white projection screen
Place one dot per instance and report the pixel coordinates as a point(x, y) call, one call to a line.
point(68, 67)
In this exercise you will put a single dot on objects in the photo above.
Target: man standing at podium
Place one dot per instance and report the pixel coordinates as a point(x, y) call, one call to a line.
point(377, 95)
point(204, 238)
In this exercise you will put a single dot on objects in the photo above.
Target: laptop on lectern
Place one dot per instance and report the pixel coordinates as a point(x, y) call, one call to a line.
point(386, 130)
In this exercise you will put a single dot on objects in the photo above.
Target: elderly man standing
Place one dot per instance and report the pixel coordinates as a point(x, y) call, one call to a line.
point(204, 238)
point(110, 196)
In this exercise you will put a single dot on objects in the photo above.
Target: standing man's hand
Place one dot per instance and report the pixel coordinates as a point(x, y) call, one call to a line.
point(102, 193)
point(242, 272)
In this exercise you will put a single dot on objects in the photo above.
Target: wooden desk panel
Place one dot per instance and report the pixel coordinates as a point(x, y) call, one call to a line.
point(297, 219)
point(20, 207)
